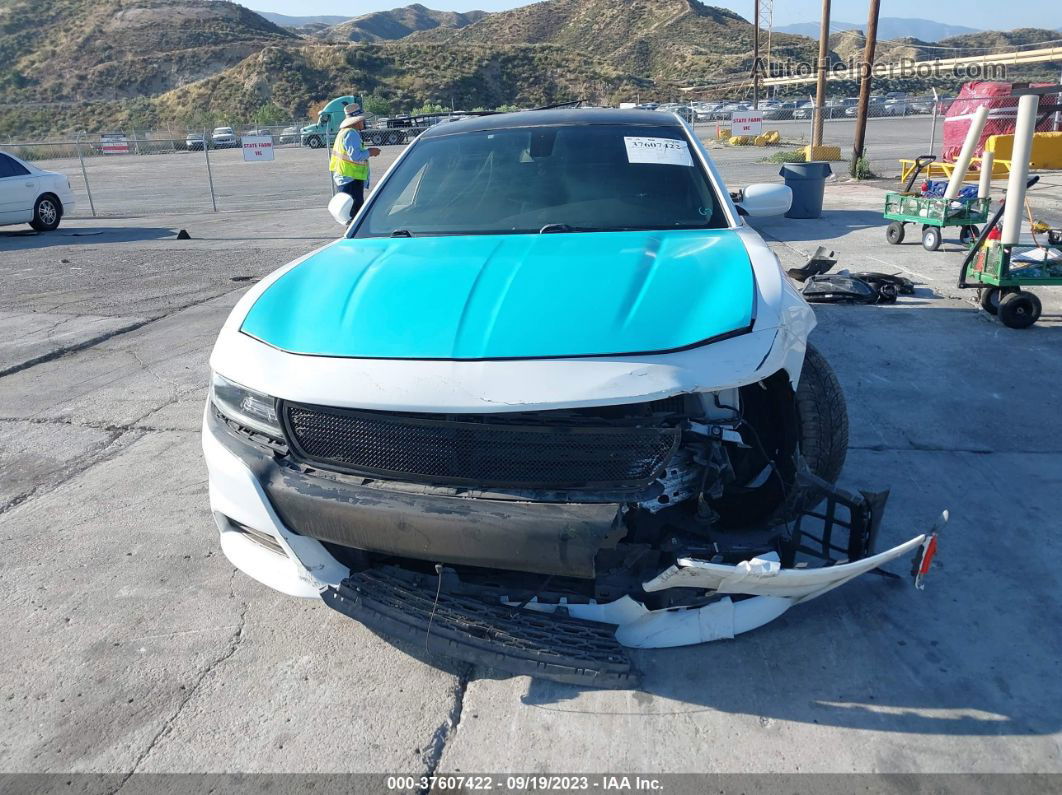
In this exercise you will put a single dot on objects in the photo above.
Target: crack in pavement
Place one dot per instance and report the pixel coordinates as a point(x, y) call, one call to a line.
point(448, 728)
point(99, 426)
point(919, 447)
point(59, 353)
point(167, 725)
point(107, 450)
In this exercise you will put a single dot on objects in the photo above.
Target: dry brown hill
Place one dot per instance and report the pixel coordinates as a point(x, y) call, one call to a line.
point(63, 50)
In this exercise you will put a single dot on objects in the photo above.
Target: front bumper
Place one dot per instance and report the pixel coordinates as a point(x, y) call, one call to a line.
point(506, 634)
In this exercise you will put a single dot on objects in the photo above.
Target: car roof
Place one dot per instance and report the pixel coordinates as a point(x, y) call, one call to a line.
point(554, 118)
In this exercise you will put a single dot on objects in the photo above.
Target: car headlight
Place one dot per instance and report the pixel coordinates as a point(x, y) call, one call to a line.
point(245, 406)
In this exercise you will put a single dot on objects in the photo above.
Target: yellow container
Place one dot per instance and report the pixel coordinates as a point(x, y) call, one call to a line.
point(821, 153)
point(1046, 149)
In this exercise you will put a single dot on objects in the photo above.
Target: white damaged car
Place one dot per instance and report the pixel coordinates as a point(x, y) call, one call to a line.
point(549, 397)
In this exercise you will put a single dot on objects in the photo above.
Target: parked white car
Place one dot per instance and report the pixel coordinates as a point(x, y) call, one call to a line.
point(31, 195)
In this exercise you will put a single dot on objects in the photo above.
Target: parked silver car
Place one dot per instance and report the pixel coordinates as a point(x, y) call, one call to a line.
point(224, 138)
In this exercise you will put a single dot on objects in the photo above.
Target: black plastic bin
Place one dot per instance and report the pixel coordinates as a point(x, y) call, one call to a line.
point(808, 183)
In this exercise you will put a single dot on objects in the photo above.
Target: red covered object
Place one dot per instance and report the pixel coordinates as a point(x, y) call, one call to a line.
point(1002, 111)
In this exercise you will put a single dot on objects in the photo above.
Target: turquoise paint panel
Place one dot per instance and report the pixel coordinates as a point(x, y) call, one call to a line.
point(510, 296)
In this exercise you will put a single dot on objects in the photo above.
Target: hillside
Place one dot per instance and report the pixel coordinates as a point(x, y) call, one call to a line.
point(888, 28)
point(408, 74)
point(99, 64)
point(1001, 40)
point(850, 44)
point(397, 24)
point(114, 49)
point(667, 40)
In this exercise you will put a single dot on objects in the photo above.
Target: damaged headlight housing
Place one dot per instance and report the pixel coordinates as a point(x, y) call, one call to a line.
point(251, 409)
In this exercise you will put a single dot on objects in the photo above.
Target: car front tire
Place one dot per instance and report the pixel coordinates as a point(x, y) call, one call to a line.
point(47, 212)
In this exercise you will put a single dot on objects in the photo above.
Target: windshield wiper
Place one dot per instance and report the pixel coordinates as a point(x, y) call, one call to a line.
point(401, 233)
point(558, 228)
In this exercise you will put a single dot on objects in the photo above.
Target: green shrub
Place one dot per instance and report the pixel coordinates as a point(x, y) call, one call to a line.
point(785, 156)
point(860, 168)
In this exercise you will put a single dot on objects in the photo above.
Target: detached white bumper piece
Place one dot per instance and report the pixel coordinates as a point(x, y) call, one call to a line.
point(772, 588)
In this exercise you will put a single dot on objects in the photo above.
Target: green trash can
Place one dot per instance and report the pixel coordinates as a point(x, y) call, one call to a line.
point(808, 183)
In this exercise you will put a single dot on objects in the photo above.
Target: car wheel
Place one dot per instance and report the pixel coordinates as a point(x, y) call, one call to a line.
point(313, 142)
point(1019, 310)
point(46, 213)
point(823, 417)
point(930, 238)
point(894, 232)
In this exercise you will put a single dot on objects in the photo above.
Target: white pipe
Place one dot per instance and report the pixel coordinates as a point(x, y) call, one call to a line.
point(1024, 128)
point(984, 187)
point(962, 164)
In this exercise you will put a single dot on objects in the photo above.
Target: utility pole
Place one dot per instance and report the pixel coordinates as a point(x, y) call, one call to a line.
point(820, 88)
point(864, 85)
point(756, 56)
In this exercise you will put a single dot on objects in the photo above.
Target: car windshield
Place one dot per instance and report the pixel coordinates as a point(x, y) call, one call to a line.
point(578, 178)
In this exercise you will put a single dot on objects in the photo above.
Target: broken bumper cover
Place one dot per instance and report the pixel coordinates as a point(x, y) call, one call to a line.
point(402, 605)
point(533, 638)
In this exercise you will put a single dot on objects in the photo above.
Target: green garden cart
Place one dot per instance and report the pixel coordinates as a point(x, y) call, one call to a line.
point(934, 213)
point(1002, 273)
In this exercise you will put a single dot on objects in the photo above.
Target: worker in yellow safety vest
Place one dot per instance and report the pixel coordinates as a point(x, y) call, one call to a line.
point(350, 158)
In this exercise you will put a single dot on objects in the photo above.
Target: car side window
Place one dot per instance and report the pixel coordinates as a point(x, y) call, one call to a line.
point(10, 167)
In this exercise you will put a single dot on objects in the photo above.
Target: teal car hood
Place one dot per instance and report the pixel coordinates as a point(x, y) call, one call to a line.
point(510, 296)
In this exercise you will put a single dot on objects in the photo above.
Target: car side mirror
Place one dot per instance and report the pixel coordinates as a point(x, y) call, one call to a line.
point(764, 199)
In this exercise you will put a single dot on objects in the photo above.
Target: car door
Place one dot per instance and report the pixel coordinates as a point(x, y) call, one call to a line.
point(18, 191)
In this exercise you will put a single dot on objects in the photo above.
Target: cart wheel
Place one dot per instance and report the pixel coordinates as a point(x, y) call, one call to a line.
point(1019, 310)
point(989, 297)
point(894, 232)
point(930, 238)
point(968, 234)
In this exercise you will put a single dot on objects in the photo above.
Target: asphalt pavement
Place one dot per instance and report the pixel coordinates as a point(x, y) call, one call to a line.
point(131, 644)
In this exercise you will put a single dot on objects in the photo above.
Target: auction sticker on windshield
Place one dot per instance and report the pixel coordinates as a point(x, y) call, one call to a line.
point(666, 151)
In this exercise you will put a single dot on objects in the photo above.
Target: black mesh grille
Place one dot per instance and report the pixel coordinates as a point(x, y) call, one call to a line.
point(479, 450)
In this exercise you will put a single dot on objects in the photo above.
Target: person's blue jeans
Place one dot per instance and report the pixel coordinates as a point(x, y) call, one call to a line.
point(356, 190)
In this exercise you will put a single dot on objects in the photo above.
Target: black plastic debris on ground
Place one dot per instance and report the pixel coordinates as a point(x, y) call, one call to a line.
point(844, 287)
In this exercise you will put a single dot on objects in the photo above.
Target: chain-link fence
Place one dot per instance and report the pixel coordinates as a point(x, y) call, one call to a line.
point(138, 172)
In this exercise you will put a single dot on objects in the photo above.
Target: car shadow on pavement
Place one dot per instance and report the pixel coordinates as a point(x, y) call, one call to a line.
point(22, 240)
point(830, 226)
point(849, 660)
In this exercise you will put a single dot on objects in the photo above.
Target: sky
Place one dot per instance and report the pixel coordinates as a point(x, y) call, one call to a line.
point(982, 14)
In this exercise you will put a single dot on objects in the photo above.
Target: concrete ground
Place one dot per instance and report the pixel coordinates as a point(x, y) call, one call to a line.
point(133, 645)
